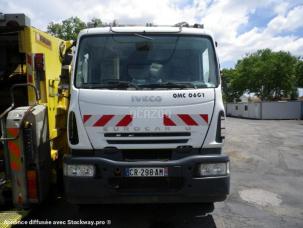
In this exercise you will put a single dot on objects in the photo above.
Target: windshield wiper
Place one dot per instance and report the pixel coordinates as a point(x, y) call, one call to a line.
point(119, 83)
point(180, 85)
point(112, 83)
point(142, 36)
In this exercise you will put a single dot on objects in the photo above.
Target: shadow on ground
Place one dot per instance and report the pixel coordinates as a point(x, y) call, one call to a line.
point(114, 216)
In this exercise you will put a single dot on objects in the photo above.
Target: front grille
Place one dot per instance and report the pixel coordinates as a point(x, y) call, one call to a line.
point(149, 134)
point(147, 184)
point(158, 141)
point(146, 137)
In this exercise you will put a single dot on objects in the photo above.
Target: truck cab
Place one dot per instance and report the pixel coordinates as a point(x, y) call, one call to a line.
point(146, 118)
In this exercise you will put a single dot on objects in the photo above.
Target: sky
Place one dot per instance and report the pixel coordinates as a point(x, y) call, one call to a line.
point(239, 26)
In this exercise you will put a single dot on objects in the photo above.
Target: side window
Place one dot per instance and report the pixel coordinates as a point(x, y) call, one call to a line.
point(82, 69)
point(205, 65)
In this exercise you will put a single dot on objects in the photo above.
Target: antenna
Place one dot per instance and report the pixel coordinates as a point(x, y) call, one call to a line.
point(181, 25)
point(198, 26)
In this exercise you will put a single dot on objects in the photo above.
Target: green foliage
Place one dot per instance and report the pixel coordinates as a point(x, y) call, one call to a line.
point(70, 28)
point(231, 91)
point(95, 22)
point(299, 73)
point(270, 75)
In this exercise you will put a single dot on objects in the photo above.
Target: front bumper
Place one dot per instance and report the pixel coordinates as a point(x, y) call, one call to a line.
point(109, 186)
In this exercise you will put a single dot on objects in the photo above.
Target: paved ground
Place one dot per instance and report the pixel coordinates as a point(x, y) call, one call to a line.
point(266, 186)
point(267, 174)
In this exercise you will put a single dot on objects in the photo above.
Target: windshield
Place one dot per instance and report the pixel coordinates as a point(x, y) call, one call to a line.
point(136, 61)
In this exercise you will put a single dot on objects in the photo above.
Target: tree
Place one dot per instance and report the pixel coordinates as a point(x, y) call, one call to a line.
point(231, 91)
point(95, 22)
point(70, 28)
point(299, 73)
point(271, 75)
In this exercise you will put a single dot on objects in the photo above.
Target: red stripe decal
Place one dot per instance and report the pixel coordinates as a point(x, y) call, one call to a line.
point(103, 120)
point(188, 120)
point(125, 121)
point(14, 149)
point(167, 121)
point(15, 166)
point(86, 117)
point(204, 117)
point(13, 132)
point(32, 184)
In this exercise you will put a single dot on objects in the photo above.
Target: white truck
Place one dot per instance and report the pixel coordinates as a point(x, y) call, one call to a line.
point(145, 122)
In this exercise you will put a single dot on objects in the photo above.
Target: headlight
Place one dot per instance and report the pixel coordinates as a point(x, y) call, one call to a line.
point(79, 170)
point(213, 169)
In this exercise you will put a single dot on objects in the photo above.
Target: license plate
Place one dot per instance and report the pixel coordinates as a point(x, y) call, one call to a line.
point(146, 172)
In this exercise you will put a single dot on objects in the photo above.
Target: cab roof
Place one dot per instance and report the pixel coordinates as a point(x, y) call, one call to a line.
point(143, 29)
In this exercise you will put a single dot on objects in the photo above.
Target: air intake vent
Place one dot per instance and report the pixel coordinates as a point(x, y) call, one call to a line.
point(147, 137)
point(163, 141)
point(149, 134)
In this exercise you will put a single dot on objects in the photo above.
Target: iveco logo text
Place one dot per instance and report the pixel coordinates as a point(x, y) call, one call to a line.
point(146, 99)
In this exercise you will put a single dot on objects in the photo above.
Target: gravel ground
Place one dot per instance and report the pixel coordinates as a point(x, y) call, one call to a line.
point(266, 186)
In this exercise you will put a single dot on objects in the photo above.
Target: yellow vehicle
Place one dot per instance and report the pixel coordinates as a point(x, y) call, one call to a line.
point(34, 98)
